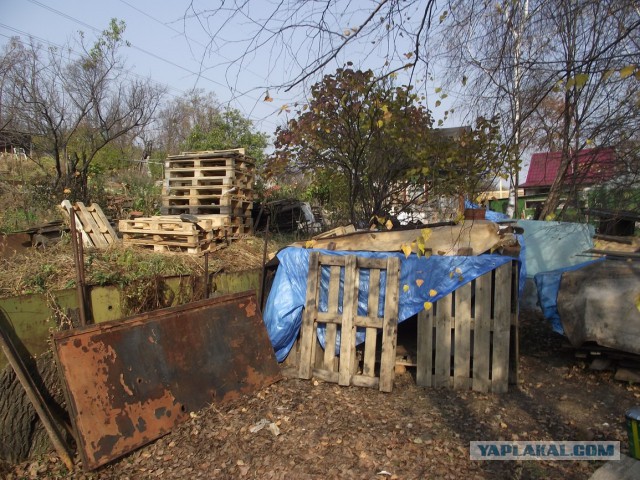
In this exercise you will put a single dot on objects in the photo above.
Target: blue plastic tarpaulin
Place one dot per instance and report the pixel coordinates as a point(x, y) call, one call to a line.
point(548, 285)
point(554, 245)
point(440, 276)
point(489, 214)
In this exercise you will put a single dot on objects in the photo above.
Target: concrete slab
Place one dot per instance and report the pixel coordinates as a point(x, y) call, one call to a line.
point(626, 468)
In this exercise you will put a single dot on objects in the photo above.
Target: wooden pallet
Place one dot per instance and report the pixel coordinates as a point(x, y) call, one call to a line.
point(222, 191)
point(179, 182)
point(341, 328)
point(237, 231)
point(239, 209)
point(230, 153)
point(204, 197)
point(197, 162)
point(481, 318)
point(170, 233)
point(209, 172)
point(171, 225)
point(92, 222)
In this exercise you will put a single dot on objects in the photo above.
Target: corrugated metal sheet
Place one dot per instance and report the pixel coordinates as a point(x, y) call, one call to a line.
point(131, 382)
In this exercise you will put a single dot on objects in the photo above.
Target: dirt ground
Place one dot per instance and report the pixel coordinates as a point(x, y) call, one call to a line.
point(327, 431)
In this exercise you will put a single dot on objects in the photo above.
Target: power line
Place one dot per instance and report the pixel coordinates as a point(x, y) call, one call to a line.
point(175, 30)
point(53, 44)
point(146, 52)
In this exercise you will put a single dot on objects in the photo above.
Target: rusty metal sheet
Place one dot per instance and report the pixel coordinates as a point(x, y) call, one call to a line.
point(132, 381)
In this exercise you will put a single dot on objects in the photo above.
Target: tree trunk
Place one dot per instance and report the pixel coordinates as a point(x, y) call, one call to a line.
point(570, 100)
point(23, 435)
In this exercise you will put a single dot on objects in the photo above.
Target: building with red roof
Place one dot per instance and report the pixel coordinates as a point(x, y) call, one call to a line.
point(588, 167)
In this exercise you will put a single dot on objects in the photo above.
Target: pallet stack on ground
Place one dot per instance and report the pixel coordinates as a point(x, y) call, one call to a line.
point(173, 234)
point(211, 183)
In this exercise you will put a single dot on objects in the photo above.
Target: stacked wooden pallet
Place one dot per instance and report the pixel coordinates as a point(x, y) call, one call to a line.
point(171, 233)
point(211, 183)
point(207, 196)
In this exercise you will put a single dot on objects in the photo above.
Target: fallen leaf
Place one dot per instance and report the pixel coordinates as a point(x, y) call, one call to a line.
point(389, 225)
point(406, 249)
point(428, 305)
point(405, 288)
point(419, 282)
point(433, 293)
point(273, 428)
point(309, 243)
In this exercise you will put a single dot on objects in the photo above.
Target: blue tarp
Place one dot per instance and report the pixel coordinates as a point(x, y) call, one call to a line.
point(554, 245)
point(491, 215)
point(283, 310)
point(548, 285)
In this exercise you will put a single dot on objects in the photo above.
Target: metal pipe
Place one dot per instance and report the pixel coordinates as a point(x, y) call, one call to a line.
point(264, 267)
point(78, 260)
point(206, 274)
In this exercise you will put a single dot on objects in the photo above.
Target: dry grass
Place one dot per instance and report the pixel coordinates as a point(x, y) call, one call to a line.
point(40, 271)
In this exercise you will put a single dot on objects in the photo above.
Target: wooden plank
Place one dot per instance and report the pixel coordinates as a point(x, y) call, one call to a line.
point(481, 334)
point(369, 322)
point(329, 318)
point(326, 375)
point(348, 330)
point(332, 260)
point(514, 342)
point(307, 333)
point(102, 219)
point(91, 227)
point(331, 328)
point(442, 374)
point(501, 329)
point(365, 381)
point(462, 338)
point(377, 263)
point(390, 330)
point(424, 360)
point(479, 235)
point(369, 364)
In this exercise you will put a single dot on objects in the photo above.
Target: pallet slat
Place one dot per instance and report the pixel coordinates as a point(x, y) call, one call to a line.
point(482, 334)
point(424, 361)
point(501, 331)
point(390, 330)
point(443, 342)
point(307, 335)
point(462, 336)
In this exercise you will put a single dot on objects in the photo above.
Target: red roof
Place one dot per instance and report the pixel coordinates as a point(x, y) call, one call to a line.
point(589, 166)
